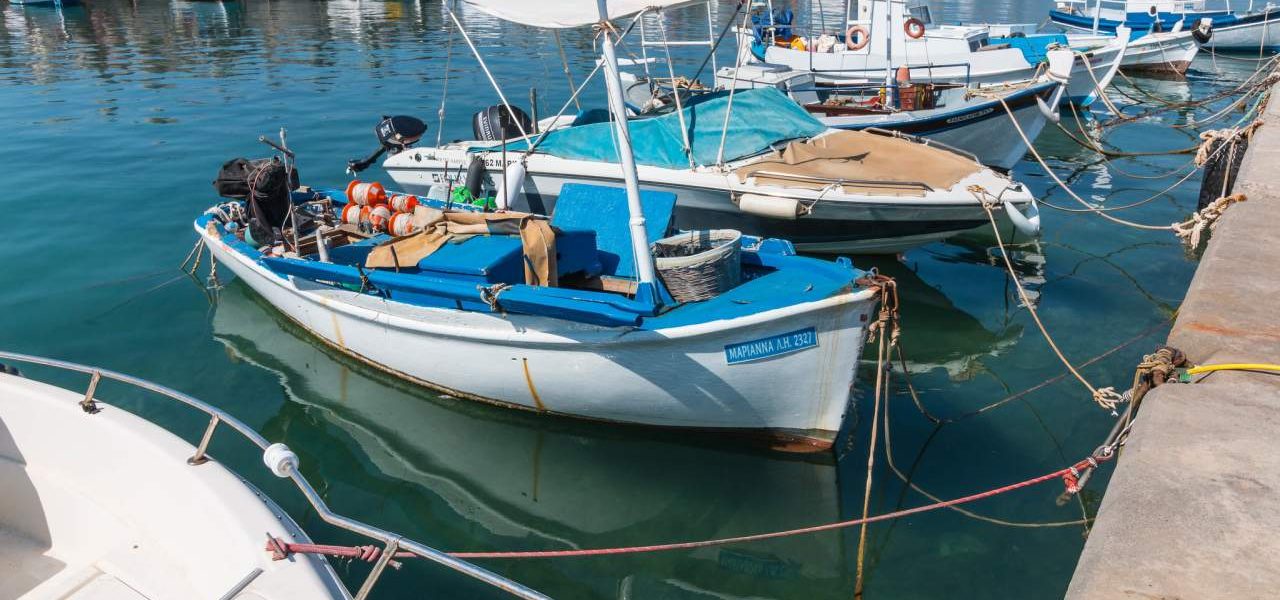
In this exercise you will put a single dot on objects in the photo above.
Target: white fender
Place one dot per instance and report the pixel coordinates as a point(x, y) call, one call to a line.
point(280, 459)
point(511, 185)
point(771, 206)
point(1029, 225)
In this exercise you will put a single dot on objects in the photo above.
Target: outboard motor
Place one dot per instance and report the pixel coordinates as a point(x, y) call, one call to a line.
point(1203, 31)
point(495, 124)
point(395, 134)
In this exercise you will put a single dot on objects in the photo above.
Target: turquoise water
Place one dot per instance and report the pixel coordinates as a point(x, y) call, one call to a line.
point(115, 116)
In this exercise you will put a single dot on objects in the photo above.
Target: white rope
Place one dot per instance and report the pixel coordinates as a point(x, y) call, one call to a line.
point(675, 89)
point(728, 111)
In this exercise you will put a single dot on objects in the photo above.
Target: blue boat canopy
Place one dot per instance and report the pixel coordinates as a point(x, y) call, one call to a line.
point(760, 119)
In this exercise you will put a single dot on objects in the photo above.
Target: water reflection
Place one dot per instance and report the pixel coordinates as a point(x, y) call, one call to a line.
point(523, 481)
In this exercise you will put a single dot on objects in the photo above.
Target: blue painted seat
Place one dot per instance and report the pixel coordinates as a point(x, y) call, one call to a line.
point(603, 210)
point(500, 258)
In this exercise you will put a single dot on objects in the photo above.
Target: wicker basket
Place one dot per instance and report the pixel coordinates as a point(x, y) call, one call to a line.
point(698, 265)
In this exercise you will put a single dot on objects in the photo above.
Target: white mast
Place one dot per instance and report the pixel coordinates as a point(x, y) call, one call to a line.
point(639, 237)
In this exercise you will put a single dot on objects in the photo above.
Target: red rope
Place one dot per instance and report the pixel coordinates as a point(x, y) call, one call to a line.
point(1069, 475)
point(1060, 473)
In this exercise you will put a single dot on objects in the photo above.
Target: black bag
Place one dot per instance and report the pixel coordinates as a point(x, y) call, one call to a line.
point(266, 184)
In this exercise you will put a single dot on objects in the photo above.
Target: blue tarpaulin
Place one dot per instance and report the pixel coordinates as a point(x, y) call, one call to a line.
point(760, 118)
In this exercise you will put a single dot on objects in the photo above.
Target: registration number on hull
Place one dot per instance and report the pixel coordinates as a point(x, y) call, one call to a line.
point(769, 347)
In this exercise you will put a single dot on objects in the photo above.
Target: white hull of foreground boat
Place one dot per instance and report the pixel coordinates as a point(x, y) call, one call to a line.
point(105, 506)
point(837, 223)
point(672, 377)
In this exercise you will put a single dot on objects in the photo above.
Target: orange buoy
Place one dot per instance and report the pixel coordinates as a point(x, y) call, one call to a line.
point(403, 203)
point(366, 194)
point(354, 215)
point(400, 224)
point(378, 217)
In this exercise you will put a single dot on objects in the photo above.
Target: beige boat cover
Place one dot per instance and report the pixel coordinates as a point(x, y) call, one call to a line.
point(864, 162)
point(441, 227)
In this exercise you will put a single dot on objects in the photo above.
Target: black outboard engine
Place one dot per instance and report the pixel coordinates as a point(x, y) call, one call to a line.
point(395, 134)
point(1203, 31)
point(495, 124)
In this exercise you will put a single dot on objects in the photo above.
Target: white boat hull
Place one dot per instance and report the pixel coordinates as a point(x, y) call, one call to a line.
point(105, 506)
point(675, 377)
point(1159, 53)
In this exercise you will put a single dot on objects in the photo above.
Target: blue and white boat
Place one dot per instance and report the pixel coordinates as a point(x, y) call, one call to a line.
point(1218, 24)
point(881, 36)
point(571, 316)
point(949, 114)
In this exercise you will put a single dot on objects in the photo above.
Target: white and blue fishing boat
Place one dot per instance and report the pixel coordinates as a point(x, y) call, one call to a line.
point(1217, 25)
point(881, 36)
point(570, 315)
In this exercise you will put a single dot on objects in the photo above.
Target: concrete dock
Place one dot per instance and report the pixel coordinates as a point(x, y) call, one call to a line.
point(1193, 508)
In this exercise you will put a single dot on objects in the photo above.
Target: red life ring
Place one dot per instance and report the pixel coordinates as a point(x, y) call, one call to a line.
point(863, 39)
point(914, 28)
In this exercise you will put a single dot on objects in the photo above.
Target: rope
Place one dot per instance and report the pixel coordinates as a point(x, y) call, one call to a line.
point(1040, 159)
point(1192, 230)
point(886, 332)
point(1102, 92)
point(1058, 474)
point(444, 86)
point(1106, 397)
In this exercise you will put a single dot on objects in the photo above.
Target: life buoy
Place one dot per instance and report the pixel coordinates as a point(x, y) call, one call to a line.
point(864, 37)
point(914, 28)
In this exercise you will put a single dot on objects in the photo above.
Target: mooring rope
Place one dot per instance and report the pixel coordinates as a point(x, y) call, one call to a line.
point(1067, 475)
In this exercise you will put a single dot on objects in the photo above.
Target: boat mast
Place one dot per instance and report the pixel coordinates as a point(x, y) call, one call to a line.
point(613, 81)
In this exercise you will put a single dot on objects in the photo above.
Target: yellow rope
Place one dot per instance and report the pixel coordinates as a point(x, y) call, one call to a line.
point(1234, 367)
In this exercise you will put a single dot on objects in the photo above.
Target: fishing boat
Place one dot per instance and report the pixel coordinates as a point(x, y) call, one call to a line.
point(969, 120)
point(882, 36)
point(163, 519)
point(1155, 52)
point(1256, 29)
point(571, 315)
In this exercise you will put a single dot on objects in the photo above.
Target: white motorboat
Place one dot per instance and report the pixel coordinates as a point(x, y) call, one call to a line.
point(787, 176)
point(101, 504)
point(1157, 52)
point(1214, 22)
point(884, 36)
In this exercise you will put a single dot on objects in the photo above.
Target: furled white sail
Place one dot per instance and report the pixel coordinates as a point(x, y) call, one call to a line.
point(561, 14)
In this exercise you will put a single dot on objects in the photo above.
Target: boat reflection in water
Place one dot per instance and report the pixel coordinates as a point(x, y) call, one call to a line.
point(484, 478)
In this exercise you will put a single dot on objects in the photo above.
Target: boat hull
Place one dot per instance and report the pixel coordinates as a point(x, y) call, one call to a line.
point(1251, 33)
point(982, 128)
point(674, 377)
point(997, 67)
point(835, 223)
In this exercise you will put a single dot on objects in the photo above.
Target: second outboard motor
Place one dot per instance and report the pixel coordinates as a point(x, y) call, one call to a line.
point(395, 134)
point(495, 124)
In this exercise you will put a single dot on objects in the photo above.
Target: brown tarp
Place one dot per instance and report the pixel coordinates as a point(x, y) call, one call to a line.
point(439, 228)
point(865, 162)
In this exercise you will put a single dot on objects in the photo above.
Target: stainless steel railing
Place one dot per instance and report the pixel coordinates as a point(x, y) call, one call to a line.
point(392, 542)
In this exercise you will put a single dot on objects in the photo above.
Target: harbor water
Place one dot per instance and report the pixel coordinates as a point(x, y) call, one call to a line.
point(115, 116)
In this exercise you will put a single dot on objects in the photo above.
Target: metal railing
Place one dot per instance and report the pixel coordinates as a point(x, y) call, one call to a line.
point(391, 541)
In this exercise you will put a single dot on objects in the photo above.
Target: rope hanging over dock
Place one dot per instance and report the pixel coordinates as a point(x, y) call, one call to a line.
point(1192, 230)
